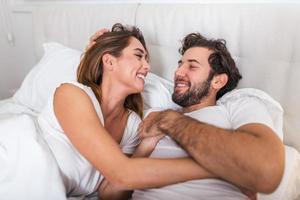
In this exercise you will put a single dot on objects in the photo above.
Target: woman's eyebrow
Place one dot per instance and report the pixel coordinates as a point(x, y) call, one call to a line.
point(142, 51)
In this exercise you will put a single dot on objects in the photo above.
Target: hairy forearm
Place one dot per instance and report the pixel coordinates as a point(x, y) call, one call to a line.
point(243, 158)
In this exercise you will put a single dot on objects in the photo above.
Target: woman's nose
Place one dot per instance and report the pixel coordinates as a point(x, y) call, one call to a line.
point(146, 66)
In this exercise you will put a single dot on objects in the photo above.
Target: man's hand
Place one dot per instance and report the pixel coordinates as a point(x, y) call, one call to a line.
point(157, 123)
point(148, 127)
point(94, 37)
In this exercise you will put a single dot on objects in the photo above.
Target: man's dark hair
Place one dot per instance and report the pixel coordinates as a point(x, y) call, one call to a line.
point(220, 60)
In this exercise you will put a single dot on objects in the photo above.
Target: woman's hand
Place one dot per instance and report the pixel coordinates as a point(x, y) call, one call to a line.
point(251, 195)
point(147, 145)
point(94, 37)
point(109, 191)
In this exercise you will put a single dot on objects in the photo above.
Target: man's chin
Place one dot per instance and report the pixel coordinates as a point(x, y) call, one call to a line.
point(180, 91)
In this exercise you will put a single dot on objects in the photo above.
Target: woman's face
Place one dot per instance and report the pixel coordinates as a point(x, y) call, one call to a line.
point(133, 66)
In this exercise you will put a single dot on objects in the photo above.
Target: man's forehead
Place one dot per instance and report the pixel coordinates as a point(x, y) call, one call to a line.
point(196, 53)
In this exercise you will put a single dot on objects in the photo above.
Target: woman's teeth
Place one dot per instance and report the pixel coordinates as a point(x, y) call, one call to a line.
point(141, 76)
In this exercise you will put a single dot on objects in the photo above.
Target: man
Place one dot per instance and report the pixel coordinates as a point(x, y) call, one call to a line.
point(236, 141)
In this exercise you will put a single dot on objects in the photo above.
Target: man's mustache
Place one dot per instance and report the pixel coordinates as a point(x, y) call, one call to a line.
point(182, 80)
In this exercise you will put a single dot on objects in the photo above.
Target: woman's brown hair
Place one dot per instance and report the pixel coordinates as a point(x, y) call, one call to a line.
point(90, 70)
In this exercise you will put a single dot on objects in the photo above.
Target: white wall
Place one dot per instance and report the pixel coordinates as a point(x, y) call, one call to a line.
point(17, 60)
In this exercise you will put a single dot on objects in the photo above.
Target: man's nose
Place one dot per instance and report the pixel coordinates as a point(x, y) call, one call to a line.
point(181, 71)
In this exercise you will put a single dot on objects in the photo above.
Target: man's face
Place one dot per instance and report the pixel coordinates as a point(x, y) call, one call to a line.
point(192, 78)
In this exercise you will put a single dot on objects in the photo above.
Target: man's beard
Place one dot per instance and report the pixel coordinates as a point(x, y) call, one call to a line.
point(194, 94)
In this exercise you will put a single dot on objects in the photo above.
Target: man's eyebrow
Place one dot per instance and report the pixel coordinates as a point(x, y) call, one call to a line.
point(189, 60)
point(193, 60)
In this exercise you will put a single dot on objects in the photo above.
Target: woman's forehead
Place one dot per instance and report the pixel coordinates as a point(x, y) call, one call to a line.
point(135, 43)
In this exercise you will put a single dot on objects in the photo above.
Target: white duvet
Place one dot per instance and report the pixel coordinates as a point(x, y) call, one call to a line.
point(28, 170)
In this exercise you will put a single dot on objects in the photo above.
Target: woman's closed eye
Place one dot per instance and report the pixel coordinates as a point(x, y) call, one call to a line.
point(139, 56)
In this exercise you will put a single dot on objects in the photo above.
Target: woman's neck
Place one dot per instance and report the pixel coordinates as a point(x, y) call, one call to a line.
point(112, 100)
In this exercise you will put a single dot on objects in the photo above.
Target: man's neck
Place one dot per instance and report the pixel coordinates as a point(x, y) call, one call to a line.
point(204, 103)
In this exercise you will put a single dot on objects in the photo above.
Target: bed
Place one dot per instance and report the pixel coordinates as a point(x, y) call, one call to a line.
point(261, 37)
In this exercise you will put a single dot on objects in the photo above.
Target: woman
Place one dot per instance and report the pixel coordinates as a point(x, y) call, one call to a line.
point(86, 121)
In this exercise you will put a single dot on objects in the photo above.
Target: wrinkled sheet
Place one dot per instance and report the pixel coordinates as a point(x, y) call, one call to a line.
point(28, 169)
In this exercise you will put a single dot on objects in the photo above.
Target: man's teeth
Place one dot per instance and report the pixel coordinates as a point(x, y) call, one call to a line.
point(181, 85)
point(141, 76)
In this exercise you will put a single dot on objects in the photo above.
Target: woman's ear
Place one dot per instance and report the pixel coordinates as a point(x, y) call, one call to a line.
point(219, 81)
point(108, 61)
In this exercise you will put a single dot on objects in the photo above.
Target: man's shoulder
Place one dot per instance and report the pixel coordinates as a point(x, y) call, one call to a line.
point(249, 105)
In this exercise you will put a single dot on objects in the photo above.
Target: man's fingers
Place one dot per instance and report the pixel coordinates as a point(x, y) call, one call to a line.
point(159, 137)
point(153, 132)
point(94, 38)
point(148, 127)
point(90, 45)
point(98, 34)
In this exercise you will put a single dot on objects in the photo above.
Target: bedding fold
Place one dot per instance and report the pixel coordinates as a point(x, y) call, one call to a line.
point(28, 169)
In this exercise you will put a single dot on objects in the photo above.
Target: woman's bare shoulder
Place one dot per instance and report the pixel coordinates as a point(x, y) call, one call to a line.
point(72, 94)
point(73, 103)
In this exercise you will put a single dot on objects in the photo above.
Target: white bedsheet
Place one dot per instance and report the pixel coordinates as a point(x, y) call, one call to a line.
point(30, 171)
point(9, 108)
point(289, 188)
point(27, 170)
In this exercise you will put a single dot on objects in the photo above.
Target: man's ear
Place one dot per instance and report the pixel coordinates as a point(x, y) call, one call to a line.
point(108, 61)
point(219, 81)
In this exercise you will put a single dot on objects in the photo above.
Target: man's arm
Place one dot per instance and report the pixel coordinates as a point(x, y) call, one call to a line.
point(251, 156)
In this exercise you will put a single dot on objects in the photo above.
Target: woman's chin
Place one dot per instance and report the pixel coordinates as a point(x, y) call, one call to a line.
point(139, 88)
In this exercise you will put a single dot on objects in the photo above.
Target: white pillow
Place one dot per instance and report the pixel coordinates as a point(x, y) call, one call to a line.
point(58, 65)
point(158, 92)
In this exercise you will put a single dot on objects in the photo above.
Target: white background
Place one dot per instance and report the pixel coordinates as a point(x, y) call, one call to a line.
point(16, 60)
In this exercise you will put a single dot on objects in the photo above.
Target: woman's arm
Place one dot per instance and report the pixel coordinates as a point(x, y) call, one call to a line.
point(78, 118)
point(108, 190)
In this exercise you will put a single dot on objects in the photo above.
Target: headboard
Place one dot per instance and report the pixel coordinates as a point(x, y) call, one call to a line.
point(263, 39)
